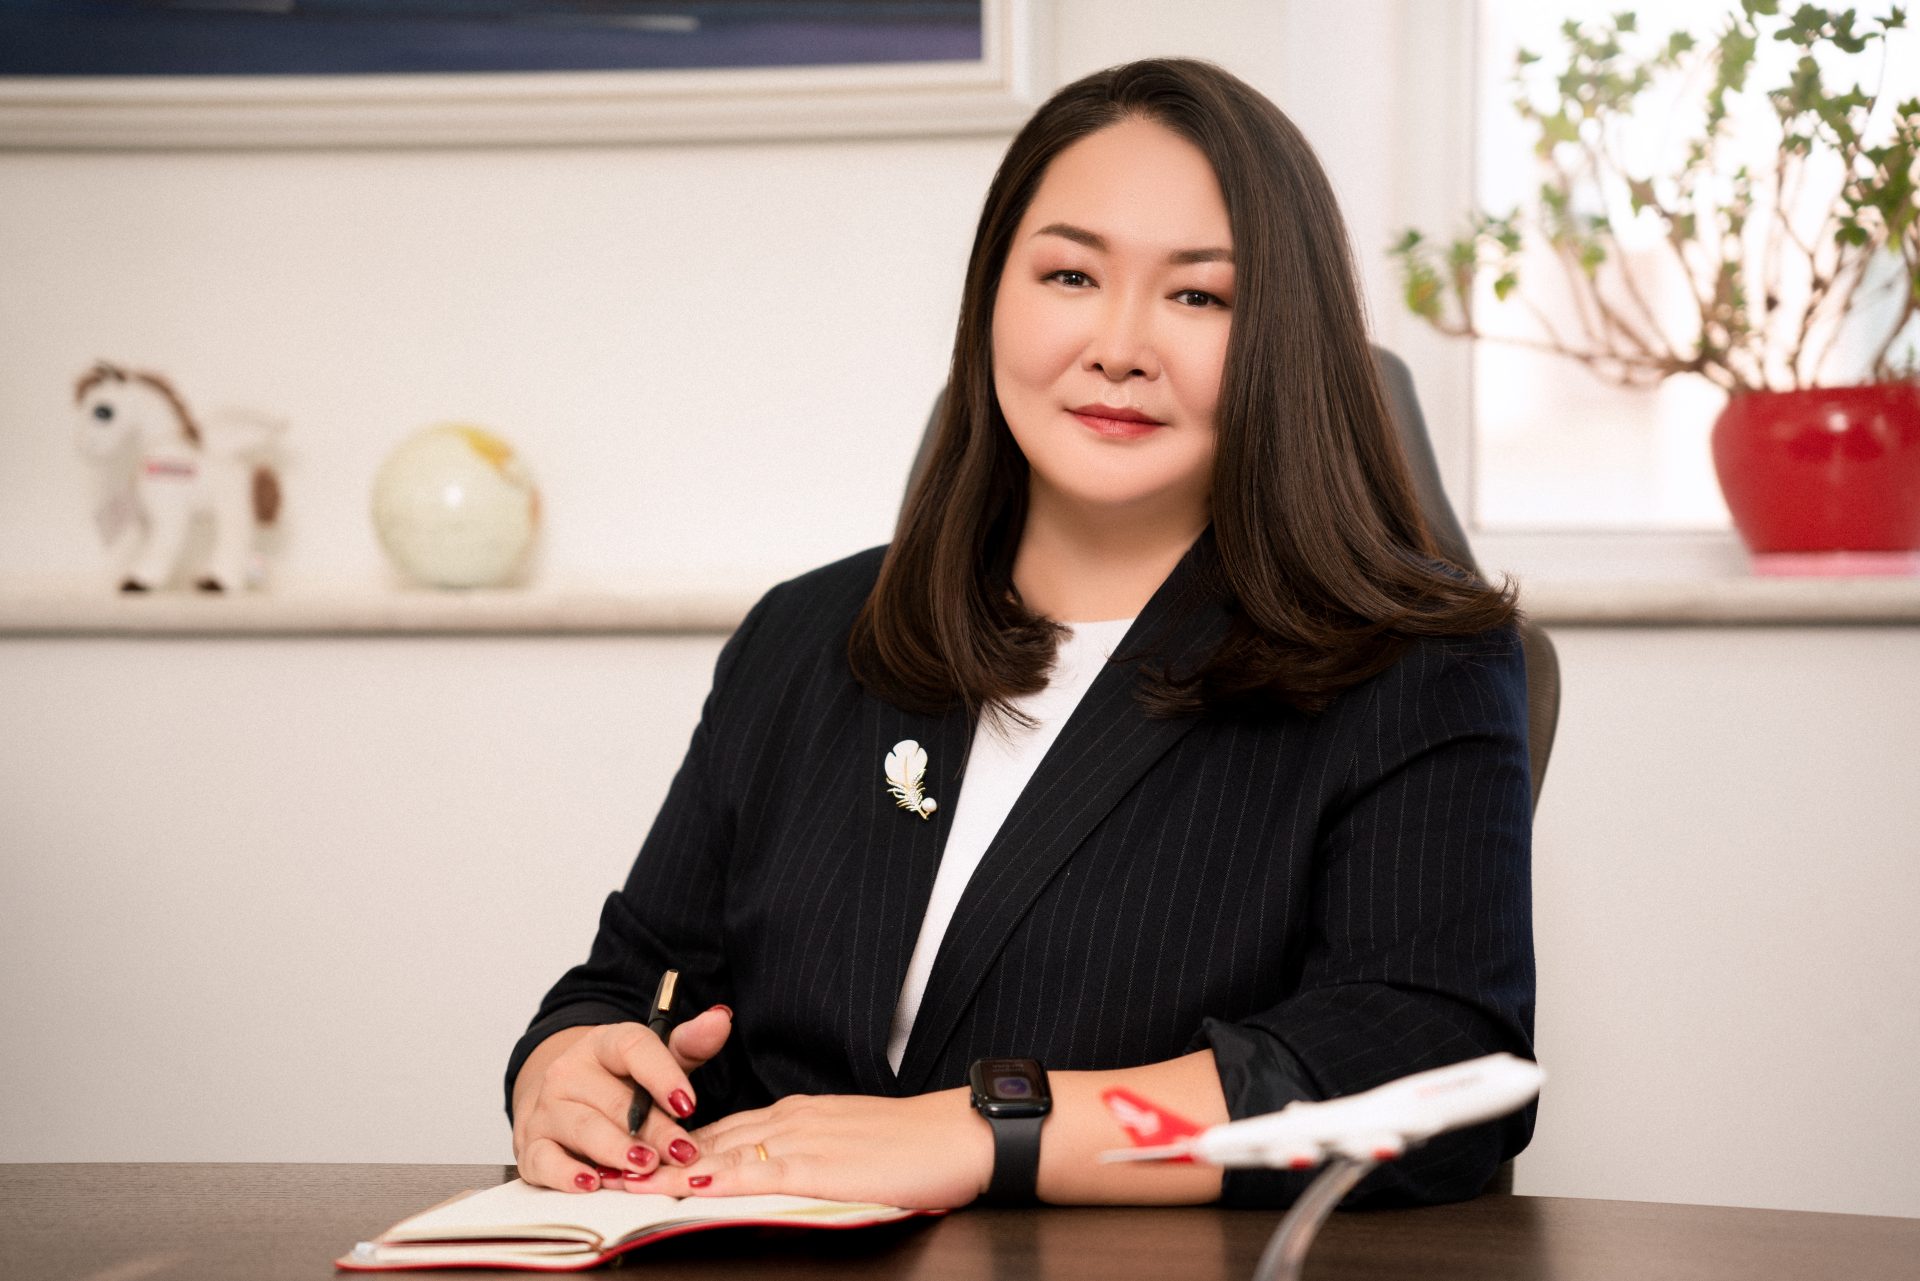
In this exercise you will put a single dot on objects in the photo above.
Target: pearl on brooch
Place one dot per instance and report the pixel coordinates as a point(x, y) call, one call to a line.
point(906, 770)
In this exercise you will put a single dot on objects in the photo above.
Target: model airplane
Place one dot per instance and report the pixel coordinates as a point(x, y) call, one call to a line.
point(1377, 1125)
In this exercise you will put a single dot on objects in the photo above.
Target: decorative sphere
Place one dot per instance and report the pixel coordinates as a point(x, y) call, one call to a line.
point(455, 507)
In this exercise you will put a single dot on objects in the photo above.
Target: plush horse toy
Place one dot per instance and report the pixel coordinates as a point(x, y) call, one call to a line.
point(163, 469)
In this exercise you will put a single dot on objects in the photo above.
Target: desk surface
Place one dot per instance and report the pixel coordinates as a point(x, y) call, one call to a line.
point(267, 1222)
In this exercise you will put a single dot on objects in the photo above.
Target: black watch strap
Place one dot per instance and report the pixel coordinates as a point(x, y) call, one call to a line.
point(1016, 1160)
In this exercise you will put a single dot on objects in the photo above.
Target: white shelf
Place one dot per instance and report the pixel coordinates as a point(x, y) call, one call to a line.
point(1670, 602)
point(96, 610)
point(100, 611)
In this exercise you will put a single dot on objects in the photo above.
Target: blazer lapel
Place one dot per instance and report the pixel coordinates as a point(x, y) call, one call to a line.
point(1106, 745)
point(895, 870)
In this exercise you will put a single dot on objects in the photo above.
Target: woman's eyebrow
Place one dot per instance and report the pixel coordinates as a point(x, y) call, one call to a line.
point(1181, 257)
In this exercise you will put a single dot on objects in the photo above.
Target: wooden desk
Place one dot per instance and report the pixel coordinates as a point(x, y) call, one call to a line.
point(268, 1222)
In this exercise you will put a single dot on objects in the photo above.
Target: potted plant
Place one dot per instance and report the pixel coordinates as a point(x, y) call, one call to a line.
point(1780, 254)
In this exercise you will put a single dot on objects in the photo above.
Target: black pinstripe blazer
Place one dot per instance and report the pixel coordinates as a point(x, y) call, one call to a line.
point(1328, 902)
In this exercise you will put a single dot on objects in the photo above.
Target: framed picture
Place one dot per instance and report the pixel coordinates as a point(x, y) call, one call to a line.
point(325, 73)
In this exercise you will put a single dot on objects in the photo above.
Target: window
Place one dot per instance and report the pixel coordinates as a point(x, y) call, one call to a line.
point(1556, 448)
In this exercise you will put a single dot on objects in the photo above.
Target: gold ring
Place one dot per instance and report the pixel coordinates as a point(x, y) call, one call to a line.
point(760, 1150)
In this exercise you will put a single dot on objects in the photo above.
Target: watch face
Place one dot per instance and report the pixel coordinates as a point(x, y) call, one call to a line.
point(1010, 1087)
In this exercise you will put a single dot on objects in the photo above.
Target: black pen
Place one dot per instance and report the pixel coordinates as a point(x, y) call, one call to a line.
point(659, 1022)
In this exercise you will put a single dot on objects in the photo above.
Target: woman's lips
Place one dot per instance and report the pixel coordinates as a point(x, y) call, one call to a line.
point(1114, 428)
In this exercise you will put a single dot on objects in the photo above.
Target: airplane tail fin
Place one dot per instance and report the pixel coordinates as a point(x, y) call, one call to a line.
point(1156, 1133)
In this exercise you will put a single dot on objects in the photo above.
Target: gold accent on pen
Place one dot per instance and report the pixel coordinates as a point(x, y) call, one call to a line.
point(660, 1023)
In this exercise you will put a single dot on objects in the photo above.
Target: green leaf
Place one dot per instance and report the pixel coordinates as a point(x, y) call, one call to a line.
point(1423, 295)
point(1504, 285)
point(1737, 51)
point(1554, 130)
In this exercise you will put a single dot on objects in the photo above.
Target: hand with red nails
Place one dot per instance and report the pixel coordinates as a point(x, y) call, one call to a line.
point(931, 1151)
point(571, 1099)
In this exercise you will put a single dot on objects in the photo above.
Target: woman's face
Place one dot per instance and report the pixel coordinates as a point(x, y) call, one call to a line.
point(1110, 327)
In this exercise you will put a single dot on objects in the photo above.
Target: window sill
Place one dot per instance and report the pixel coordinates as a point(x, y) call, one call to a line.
point(348, 610)
point(1805, 602)
point(1679, 579)
point(1570, 593)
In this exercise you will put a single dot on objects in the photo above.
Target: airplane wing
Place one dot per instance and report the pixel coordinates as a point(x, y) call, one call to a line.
point(1378, 1146)
point(1376, 1125)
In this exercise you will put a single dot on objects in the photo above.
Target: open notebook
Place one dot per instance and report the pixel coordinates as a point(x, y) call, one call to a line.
point(516, 1225)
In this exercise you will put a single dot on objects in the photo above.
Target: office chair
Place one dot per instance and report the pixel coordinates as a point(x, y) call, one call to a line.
point(1543, 664)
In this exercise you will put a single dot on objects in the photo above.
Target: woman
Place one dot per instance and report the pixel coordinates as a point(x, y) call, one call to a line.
point(1245, 816)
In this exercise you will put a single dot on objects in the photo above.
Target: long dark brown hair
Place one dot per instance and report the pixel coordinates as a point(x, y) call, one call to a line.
point(1317, 544)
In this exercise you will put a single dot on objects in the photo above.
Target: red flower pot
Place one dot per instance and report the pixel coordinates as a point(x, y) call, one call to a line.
point(1831, 469)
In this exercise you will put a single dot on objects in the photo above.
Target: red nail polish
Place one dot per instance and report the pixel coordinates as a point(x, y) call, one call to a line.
point(585, 1182)
point(607, 1172)
point(642, 1156)
point(700, 1180)
point(683, 1152)
point(725, 1009)
point(682, 1105)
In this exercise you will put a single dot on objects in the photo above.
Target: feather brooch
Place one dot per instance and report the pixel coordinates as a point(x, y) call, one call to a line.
point(906, 773)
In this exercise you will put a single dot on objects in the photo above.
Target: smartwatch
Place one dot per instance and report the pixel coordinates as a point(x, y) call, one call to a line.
point(1012, 1095)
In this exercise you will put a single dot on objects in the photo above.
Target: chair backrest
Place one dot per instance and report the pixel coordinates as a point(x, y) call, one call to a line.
point(1543, 664)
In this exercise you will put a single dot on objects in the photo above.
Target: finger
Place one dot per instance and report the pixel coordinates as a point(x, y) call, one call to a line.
point(700, 1037)
point(719, 1133)
point(545, 1164)
point(586, 1082)
point(590, 1136)
point(670, 1139)
point(725, 1131)
point(739, 1171)
point(685, 1181)
point(628, 1049)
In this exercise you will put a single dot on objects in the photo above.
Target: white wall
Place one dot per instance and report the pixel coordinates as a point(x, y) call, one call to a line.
point(716, 359)
point(1727, 919)
point(291, 899)
point(695, 348)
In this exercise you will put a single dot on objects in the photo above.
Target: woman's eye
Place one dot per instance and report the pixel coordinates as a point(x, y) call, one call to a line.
point(1198, 298)
point(1077, 279)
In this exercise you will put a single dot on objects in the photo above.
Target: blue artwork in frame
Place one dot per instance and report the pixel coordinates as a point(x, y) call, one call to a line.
point(110, 38)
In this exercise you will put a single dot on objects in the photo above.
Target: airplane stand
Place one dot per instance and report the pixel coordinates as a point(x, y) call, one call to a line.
point(1286, 1252)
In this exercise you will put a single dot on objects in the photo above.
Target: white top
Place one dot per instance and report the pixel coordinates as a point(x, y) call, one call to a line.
point(998, 768)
